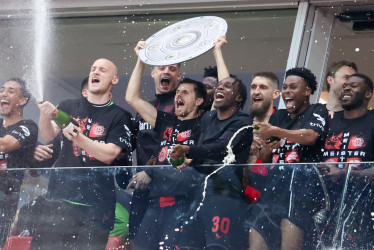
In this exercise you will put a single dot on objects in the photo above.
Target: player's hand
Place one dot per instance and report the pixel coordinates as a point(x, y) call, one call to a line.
point(43, 152)
point(221, 40)
point(139, 45)
point(178, 151)
point(140, 181)
point(265, 131)
point(72, 134)
point(335, 174)
point(46, 108)
point(184, 165)
point(257, 144)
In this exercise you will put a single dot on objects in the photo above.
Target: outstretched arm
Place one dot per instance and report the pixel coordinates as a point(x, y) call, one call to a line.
point(220, 62)
point(144, 108)
point(301, 136)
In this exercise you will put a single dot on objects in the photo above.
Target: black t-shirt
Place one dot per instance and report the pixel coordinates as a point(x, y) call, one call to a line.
point(26, 132)
point(148, 142)
point(212, 148)
point(350, 140)
point(314, 118)
point(172, 131)
point(107, 123)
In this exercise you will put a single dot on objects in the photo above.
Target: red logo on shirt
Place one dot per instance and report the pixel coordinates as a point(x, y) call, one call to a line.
point(3, 165)
point(275, 159)
point(184, 135)
point(169, 108)
point(82, 124)
point(163, 154)
point(334, 142)
point(292, 156)
point(356, 142)
point(335, 159)
point(354, 160)
point(168, 133)
point(97, 130)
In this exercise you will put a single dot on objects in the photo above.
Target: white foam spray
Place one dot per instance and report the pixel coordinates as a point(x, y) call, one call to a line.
point(42, 30)
point(229, 159)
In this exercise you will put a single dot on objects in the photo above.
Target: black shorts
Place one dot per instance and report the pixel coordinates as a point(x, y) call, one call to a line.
point(220, 224)
point(292, 192)
point(163, 221)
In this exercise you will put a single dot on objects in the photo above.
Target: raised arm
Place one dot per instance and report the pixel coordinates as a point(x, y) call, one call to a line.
point(220, 62)
point(48, 128)
point(144, 108)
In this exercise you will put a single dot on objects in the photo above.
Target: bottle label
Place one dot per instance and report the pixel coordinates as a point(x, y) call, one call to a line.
point(69, 126)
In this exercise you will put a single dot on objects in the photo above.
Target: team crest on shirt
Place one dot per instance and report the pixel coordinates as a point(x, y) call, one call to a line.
point(356, 142)
point(292, 156)
point(163, 154)
point(169, 108)
point(3, 165)
point(97, 130)
point(184, 135)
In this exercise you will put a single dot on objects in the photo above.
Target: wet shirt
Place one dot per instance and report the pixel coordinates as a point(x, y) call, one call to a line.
point(147, 138)
point(26, 132)
point(212, 148)
point(106, 123)
point(172, 131)
point(314, 118)
point(350, 140)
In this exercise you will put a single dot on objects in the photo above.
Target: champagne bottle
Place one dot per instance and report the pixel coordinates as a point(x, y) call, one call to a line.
point(63, 120)
point(178, 162)
point(271, 139)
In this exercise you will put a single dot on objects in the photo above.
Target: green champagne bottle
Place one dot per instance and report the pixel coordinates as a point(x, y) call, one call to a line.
point(63, 120)
point(271, 139)
point(177, 162)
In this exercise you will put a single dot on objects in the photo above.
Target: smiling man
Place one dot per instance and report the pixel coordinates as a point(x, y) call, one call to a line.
point(351, 139)
point(17, 142)
point(220, 226)
point(147, 144)
point(304, 128)
point(336, 75)
point(104, 133)
point(168, 199)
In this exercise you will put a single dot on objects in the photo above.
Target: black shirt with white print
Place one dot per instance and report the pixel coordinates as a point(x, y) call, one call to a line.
point(350, 140)
point(172, 131)
point(26, 133)
point(106, 123)
point(315, 117)
point(147, 144)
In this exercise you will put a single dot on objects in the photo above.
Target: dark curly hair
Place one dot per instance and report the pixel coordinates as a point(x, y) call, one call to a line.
point(307, 75)
point(211, 72)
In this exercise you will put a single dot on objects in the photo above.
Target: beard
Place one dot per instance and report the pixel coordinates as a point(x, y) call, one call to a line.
point(356, 103)
point(259, 111)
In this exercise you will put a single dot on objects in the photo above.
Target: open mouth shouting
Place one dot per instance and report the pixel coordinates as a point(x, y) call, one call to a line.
point(257, 100)
point(219, 96)
point(95, 79)
point(4, 104)
point(165, 80)
point(289, 102)
point(179, 104)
